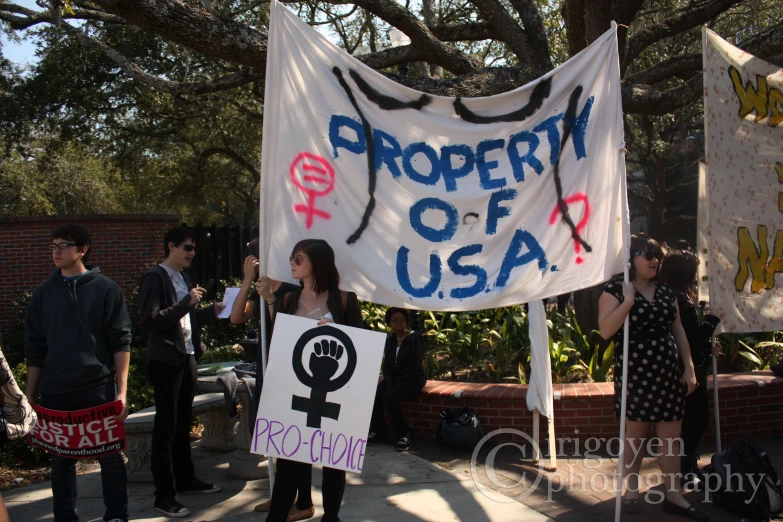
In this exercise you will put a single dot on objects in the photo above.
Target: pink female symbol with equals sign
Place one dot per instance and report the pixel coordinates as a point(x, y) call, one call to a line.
point(314, 176)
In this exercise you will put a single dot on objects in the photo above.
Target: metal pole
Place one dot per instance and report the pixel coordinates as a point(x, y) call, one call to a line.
point(262, 343)
point(620, 463)
point(715, 399)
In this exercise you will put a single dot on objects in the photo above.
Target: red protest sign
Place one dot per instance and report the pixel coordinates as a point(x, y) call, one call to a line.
point(81, 434)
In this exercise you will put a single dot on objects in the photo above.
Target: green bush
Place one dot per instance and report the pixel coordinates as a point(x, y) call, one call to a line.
point(140, 394)
point(19, 452)
point(13, 344)
point(222, 354)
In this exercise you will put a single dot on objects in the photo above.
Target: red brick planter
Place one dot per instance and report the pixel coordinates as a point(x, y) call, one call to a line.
point(750, 403)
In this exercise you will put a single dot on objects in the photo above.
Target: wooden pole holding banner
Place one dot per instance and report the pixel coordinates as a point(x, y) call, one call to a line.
point(536, 437)
point(619, 500)
point(715, 398)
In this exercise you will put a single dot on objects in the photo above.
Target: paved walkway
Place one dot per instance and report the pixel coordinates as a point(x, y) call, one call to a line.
point(394, 487)
point(432, 483)
point(579, 490)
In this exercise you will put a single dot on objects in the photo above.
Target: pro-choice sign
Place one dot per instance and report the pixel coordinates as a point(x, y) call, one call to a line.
point(318, 393)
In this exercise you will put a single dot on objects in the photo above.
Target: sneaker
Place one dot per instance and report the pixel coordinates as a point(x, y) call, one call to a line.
point(200, 487)
point(303, 514)
point(375, 438)
point(404, 443)
point(170, 507)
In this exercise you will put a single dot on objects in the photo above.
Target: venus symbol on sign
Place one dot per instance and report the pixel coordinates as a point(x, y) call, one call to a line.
point(314, 176)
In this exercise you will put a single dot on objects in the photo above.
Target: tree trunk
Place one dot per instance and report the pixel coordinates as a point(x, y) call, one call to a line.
point(435, 70)
point(586, 21)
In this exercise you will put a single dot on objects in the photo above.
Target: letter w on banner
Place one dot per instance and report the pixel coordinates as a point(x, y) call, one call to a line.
point(443, 203)
point(743, 106)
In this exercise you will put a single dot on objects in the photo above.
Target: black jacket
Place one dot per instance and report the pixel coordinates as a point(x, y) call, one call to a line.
point(699, 333)
point(159, 314)
point(73, 329)
point(405, 366)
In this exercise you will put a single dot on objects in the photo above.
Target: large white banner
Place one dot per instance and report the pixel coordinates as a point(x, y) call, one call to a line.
point(443, 203)
point(743, 105)
point(318, 393)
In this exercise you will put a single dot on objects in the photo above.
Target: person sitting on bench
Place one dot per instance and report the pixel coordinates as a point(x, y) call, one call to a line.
point(403, 377)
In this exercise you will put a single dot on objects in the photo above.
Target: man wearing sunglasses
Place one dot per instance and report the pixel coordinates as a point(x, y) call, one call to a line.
point(168, 314)
point(77, 339)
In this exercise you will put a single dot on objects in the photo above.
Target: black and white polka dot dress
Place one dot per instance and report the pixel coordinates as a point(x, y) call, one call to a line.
point(655, 389)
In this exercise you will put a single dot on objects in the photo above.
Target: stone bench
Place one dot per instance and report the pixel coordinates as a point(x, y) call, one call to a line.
point(218, 433)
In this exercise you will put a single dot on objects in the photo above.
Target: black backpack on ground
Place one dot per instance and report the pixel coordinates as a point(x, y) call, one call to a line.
point(748, 465)
point(460, 428)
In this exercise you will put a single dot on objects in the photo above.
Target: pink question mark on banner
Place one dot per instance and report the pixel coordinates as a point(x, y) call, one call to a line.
point(579, 226)
point(314, 176)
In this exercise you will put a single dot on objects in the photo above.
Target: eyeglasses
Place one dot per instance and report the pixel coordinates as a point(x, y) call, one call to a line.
point(297, 259)
point(60, 246)
point(648, 255)
point(188, 248)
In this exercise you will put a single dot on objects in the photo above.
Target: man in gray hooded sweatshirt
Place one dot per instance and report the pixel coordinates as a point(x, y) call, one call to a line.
point(77, 340)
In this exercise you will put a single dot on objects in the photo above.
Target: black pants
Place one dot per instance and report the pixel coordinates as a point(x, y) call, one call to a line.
point(389, 398)
point(291, 476)
point(175, 387)
point(114, 476)
point(695, 422)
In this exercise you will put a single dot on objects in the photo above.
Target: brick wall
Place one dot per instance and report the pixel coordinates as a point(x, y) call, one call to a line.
point(122, 246)
point(749, 403)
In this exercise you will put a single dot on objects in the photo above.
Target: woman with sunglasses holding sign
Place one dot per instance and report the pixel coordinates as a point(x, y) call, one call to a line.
point(657, 386)
point(318, 297)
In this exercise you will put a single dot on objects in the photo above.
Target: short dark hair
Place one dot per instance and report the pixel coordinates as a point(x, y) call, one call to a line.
point(682, 244)
point(643, 243)
point(325, 274)
point(678, 270)
point(76, 234)
point(177, 235)
point(392, 310)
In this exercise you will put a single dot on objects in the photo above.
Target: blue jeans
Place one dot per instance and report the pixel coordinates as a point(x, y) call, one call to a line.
point(114, 476)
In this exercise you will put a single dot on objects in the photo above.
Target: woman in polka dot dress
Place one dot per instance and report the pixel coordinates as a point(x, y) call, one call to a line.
point(661, 372)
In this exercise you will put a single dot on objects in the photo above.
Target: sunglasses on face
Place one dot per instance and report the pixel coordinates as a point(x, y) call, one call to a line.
point(297, 260)
point(188, 248)
point(60, 246)
point(648, 255)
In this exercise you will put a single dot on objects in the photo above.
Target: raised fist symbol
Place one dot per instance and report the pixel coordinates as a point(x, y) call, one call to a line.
point(325, 361)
